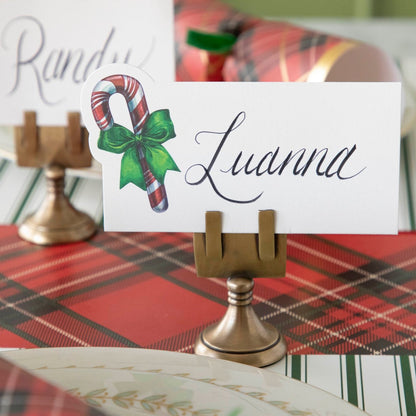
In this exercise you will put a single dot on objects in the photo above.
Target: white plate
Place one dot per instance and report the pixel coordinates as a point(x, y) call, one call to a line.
point(124, 381)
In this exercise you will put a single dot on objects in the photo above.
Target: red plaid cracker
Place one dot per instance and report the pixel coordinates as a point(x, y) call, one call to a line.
point(264, 51)
point(277, 51)
point(193, 64)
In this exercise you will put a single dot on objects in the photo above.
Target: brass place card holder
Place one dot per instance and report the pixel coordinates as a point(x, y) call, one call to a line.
point(54, 149)
point(240, 335)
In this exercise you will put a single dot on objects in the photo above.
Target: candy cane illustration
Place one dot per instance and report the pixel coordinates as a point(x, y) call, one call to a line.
point(133, 93)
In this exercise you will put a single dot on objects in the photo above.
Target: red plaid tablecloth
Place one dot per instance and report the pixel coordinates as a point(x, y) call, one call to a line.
point(22, 393)
point(341, 294)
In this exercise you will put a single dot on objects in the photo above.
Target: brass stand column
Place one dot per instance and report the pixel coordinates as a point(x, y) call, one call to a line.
point(56, 221)
point(240, 335)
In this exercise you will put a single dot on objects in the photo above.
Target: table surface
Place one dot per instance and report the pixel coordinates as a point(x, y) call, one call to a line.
point(347, 305)
point(340, 295)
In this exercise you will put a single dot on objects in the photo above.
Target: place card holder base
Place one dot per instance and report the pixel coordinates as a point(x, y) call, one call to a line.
point(54, 148)
point(240, 335)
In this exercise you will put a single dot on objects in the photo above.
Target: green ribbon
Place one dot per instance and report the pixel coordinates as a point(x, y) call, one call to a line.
point(217, 43)
point(157, 129)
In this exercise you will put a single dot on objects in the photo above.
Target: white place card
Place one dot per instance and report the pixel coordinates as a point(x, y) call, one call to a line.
point(324, 156)
point(48, 48)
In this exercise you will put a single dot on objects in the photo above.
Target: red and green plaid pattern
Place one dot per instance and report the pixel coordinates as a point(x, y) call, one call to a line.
point(276, 51)
point(341, 294)
point(213, 16)
point(264, 51)
point(22, 393)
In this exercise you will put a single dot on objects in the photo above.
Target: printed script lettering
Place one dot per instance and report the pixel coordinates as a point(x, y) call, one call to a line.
point(320, 162)
point(26, 37)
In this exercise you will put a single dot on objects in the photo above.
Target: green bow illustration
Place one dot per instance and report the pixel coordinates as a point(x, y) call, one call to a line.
point(157, 129)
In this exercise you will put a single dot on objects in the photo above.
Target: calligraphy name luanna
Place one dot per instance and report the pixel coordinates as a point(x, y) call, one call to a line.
point(299, 162)
point(26, 37)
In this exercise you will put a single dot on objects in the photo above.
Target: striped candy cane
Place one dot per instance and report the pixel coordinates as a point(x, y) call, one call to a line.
point(133, 93)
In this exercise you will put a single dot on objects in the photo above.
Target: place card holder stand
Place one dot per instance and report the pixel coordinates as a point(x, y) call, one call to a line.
point(54, 148)
point(240, 335)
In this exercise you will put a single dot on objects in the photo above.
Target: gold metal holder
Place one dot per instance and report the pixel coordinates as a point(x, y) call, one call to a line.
point(240, 335)
point(56, 221)
point(55, 148)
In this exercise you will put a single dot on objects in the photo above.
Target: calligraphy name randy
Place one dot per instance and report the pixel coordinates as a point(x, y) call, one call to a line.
point(27, 39)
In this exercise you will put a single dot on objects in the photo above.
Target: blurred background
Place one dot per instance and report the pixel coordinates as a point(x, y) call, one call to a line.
point(327, 8)
point(388, 24)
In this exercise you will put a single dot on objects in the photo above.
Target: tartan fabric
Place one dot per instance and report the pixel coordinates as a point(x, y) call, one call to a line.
point(276, 51)
point(264, 51)
point(22, 393)
point(193, 64)
point(341, 294)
